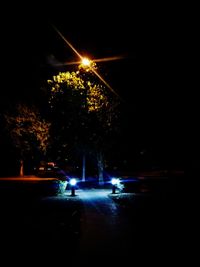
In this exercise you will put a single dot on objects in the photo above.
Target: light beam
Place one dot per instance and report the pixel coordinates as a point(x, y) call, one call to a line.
point(82, 58)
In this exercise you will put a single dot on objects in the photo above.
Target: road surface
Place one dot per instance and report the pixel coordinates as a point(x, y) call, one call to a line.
point(109, 232)
point(87, 228)
point(102, 229)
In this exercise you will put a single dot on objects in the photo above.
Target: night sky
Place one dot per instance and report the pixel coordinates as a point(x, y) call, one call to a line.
point(146, 78)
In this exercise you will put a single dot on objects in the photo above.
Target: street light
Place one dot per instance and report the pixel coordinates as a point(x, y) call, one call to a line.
point(87, 64)
point(86, 61)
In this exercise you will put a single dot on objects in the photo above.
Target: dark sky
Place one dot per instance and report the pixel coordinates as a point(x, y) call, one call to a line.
point(148, 42)
point(147, 77)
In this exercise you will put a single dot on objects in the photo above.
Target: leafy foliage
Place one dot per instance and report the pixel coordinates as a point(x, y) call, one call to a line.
point(28, 130)
point(84, 113)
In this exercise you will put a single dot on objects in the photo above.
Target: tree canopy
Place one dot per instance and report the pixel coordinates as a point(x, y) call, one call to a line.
point(29, 132)
point(84, 113)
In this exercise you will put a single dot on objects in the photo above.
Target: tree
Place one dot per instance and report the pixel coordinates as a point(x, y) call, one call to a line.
point(29, 132)
point(86, 112)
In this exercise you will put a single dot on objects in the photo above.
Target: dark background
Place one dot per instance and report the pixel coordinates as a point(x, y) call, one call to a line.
point(147, 78)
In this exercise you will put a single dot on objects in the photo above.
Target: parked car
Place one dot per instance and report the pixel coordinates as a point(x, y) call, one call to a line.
point(51, 170)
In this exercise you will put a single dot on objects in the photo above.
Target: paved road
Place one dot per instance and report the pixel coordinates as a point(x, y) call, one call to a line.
point(109, 232)
point(99, 230)
point(101, 227)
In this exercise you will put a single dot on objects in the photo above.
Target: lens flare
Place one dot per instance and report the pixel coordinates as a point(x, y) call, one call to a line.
point(86, 61)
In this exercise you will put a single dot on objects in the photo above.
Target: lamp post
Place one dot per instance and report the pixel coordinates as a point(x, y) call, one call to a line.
point(115, 182)
point(73, 183)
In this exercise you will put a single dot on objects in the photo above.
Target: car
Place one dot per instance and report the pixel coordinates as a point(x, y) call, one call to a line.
point(52, 177)
point(51, 170)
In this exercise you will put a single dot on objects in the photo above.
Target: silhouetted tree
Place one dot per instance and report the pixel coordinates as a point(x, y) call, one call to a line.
point(84, 114)
point(29, 132)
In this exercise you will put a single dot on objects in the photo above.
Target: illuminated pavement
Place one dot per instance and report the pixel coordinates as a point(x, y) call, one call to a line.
point(103, 230)
point(109, 232)
point(86, 227)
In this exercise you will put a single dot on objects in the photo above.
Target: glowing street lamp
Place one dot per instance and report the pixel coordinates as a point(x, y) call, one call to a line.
point(86, 62)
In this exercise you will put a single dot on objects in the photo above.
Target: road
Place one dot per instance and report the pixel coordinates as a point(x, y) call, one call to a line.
point(109, 232)
point(102, 230)
point(89, 227)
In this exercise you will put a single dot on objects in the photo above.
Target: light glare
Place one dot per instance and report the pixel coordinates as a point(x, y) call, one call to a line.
point(94, 71)
point(115, 181)
point(73, 182)
point(86, 62)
